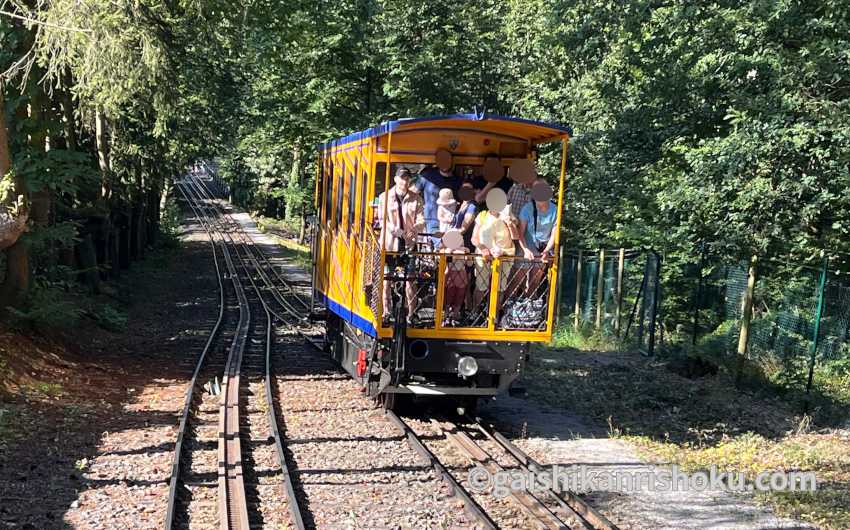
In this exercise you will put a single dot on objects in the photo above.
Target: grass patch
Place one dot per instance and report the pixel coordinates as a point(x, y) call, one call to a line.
point(284, 234)
point(826, 454)
point(42, 389)
point(301, 256)
point(282, 227)
point(696, 421)
point(584, 339)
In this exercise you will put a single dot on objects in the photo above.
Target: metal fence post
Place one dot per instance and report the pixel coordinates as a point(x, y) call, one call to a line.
point(620, 265)
point(600, 288)
point(577, 320)
point(816, 331)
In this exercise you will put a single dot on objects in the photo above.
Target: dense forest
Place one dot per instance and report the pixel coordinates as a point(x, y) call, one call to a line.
point(714, 128)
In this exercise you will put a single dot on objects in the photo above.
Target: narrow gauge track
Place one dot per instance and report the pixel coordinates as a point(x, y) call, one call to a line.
point(548, 509)
point(238, 418)
point(283, 292)
point(295, 309)
point(256, 267)
point(194, 465)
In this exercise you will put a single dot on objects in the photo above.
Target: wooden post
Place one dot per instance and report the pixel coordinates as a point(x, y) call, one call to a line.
point(746, 317)
point(577, 320)
point(620, 265)
point(600, 288)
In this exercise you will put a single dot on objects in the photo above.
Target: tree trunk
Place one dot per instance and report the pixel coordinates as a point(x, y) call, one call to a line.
point(40, 200)
point(68, 120)
point(302, 230)
point(138, 231)
point(124, 243)
point(101, 136)
point(152, 208)
point(12, 223)
point(114, 251)
point(17, 282)
point(12, 226)
point(294, 182)
point(87, 257)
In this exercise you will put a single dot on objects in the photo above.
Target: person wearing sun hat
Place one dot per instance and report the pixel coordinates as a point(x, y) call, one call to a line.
point(446, 208)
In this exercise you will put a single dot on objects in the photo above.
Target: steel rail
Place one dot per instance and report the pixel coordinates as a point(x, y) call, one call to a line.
point(263, 256)
point(233, 506)
point(472, 507)
point(230, 227)
point(295, 509)
point(587, 514)
point(525, 499)
point(289, 489)
point(174, 481)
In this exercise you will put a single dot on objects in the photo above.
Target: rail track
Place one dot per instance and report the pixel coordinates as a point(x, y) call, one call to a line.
point(238, 418)
point(232, 488)
point(550, 509)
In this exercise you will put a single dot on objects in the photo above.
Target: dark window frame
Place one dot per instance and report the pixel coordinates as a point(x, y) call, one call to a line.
point(340, 195)
point(329, 191)
point(352, 197)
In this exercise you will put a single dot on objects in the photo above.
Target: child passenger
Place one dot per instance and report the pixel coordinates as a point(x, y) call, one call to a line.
point(446, 209)
point(457, 278)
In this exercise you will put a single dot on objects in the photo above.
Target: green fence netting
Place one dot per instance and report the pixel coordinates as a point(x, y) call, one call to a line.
point(674, 306)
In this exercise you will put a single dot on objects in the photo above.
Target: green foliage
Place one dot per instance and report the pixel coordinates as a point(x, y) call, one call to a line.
point(109, 318)
point(46, 308)
point(170, 223)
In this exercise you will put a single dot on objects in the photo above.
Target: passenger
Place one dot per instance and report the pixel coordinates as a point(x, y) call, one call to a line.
point(492, 239)
point(518, 197)
point(405, 219)
point(483, 186)
point(457, 279)
point(431, 181)
point(446, 209)
point(537, 221)
point(465, 215)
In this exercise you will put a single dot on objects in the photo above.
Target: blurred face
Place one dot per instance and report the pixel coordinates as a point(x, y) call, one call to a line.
point(402, 183)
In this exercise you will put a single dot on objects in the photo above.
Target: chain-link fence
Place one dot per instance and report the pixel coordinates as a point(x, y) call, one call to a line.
point(615, 291)
point(787, 318)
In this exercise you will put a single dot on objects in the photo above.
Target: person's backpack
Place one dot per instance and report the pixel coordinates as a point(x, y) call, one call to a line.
point(525, 314)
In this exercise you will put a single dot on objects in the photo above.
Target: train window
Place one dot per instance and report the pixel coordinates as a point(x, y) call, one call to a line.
point(320, 198)
point(340, 192)
point(363, 186)
point(380, 178)
point(352, 197)
point(329, 191)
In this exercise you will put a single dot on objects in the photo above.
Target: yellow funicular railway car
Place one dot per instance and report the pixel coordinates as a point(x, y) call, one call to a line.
point(502, 302)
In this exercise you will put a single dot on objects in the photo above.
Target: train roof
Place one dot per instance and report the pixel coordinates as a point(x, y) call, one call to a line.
point(536, 132)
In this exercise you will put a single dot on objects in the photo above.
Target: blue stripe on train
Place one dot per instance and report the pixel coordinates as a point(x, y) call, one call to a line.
point(356, 320)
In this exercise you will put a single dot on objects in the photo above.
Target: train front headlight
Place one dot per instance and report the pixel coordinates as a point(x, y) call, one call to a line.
point(467, 366)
